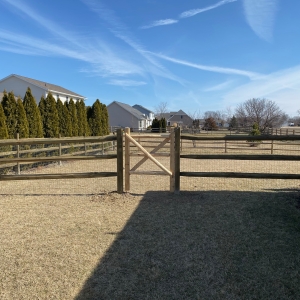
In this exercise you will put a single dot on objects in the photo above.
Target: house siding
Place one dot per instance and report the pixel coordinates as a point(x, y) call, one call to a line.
point(119, 117)
point(19, 88)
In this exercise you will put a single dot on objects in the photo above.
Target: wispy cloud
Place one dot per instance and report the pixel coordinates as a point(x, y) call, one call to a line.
point(120, 31)
point(219, 87)
point(101, 57)
point(260, 15)
point(186, 14)
point(160, 23)
point(193, 12)
point(126, 83)
point(251, 75)
point(282, 86)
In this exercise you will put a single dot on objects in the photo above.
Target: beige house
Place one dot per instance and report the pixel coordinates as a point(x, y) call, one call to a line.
point(179, 118)
point(19, 84)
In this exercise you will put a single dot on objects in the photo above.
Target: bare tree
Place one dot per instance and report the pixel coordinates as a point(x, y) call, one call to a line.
point(218, 115)
point(161, 109)
point(195, 116)
point(261, 111)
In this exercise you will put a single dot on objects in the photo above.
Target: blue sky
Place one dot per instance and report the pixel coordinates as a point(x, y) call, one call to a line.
point(195, 55)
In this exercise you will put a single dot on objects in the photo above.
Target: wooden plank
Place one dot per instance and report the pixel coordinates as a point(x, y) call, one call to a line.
point(241, 175)
point(127, 160)
point(177, 161)
point(241, 157)
point(148, 154)
point(119, 161)
point(152, 152)
point(37, 141)
point(172, 161)
point(55, 158)
point(57, 176)
point(240, 138)
point(138, 172)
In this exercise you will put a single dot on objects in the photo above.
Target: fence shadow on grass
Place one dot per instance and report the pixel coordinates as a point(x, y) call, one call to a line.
point(204, 245)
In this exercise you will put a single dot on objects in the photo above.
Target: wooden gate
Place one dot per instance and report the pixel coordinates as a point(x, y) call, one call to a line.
point(173, 138)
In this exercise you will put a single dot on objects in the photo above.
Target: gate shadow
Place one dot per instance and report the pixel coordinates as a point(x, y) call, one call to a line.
point(204, 245)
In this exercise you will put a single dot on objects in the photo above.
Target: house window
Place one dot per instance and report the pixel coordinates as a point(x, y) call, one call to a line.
point(57, 96)
point(169, 123)
point(181, 117)
point(67, 98)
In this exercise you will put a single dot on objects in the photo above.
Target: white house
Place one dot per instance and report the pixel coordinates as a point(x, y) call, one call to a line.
point(124, 115)
point(19, 84)
point(149, 115)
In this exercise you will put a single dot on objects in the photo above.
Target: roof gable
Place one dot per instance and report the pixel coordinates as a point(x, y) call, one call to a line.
point(46, 86)
point(129, 109)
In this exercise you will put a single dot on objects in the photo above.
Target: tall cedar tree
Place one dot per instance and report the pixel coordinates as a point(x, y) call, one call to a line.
point(73, 116)
point(96, 119)
point(89, 113)
point(3, 127)
point(9, 106)
point(83, 128)
point(105, 123)
point(51, 121)
point(33, 115)
point(22, 123)
point(42, 109)
point(65, 126)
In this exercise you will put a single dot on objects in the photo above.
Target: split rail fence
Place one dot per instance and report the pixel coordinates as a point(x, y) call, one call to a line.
point(58, 141)
point(173, 142)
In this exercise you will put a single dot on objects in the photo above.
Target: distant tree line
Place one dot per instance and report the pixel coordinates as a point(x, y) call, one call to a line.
point(262, 112)
point(50, 118)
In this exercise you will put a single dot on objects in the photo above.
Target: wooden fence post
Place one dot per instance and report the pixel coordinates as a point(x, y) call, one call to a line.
point(85, 145)
point(18, 155)
point(272, 147)
point(127, 160)
point(59, 150)
point(175, 160)
point(119, 161)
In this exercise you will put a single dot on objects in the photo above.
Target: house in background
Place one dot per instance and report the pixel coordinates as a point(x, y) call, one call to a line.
point(124, 115)
point(179, 118)
point(19, 84)
point(146, 112)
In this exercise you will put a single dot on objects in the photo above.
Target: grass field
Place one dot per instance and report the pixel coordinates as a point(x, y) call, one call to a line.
point(219, 239)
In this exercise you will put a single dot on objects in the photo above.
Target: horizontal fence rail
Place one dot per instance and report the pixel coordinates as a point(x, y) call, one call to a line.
point(5, 160)
point(225, 156)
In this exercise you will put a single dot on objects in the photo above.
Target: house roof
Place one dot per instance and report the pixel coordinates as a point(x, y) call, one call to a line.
point(46, 86)
point(130, 109)
point(142, 108)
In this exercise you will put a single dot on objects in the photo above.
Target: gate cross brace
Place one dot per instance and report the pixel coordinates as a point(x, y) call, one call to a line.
point(152, 152)
point(148, 155)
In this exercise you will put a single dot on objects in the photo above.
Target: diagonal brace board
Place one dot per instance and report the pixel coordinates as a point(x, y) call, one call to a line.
point(152, 152)
point(148, 155)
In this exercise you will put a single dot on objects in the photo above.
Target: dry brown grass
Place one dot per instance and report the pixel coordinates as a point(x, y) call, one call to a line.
point(220, 239)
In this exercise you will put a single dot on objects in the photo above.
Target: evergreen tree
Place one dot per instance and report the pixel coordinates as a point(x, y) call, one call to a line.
point(73, 116)
point(95, 119)
point(163, 124)
point(65, 125)
point(33, 115)
point(42, 109)
point(22, 123)
point(105, 129)
point(155, 125)
point(233, 122)
point(9, 106)
point(3, 127)
point(50, 118)
point(83, 127)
